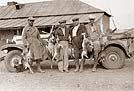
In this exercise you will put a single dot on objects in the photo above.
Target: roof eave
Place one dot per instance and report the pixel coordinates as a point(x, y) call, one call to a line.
point(57, 15)
point(105, 13)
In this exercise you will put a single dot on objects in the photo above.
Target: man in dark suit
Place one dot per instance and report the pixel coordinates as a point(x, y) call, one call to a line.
point(62, 34)
point(76, 37)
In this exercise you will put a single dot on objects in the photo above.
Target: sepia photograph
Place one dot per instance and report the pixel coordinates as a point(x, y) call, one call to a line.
point(66, 45)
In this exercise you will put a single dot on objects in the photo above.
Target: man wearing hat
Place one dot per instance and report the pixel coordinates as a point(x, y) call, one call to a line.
point(76, 37)
point(62, 34)
point(31, 39)
point(95, 36)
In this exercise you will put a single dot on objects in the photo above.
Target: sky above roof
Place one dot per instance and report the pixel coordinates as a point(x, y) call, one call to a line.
point(122, 10)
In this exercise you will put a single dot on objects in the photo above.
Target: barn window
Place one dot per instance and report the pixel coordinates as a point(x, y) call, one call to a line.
point(44, 30)
point(18, 32)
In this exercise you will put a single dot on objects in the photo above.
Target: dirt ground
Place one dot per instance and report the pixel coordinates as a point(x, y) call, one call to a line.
point(53, 80)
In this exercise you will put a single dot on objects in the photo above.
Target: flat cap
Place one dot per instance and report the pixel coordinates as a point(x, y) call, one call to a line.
point(62, 21)
point(31, 18)
point(91, 17)
point(75, 19)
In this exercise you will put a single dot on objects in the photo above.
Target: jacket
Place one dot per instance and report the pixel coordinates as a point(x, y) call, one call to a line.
point(96, 34)
point(60, 35)
point(77, 41)
point(31, 38)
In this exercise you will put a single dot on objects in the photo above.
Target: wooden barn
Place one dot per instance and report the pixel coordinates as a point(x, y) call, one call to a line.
point(13, 16)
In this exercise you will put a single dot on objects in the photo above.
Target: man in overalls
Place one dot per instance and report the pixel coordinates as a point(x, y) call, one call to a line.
point(95, 36)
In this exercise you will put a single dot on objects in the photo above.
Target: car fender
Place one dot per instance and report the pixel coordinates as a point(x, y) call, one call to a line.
point(10, 47)
point(118, 43)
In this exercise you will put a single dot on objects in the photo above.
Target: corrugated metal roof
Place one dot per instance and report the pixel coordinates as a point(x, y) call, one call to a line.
point(43, 21)
point(46, 8)
point(47, 13)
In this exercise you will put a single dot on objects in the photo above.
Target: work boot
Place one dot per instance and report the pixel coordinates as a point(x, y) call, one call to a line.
point(77, 67)
point(61, 71)
point(66, 70)
point(94, 69)
point(60, 66)
point(95, 65)
point(39, 68)
point(81, 67)
point(95, 61)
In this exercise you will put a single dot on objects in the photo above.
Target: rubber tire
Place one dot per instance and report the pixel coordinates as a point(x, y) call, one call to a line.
point(8, 59)
point(119, 54)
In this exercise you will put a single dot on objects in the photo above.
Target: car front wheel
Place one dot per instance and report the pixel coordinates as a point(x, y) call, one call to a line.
point(12, 57)
point(114, 58)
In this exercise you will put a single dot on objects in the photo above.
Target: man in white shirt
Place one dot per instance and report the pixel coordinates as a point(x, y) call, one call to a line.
point(76, 37)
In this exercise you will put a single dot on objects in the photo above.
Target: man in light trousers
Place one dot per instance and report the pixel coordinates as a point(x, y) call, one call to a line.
point(62, 33)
